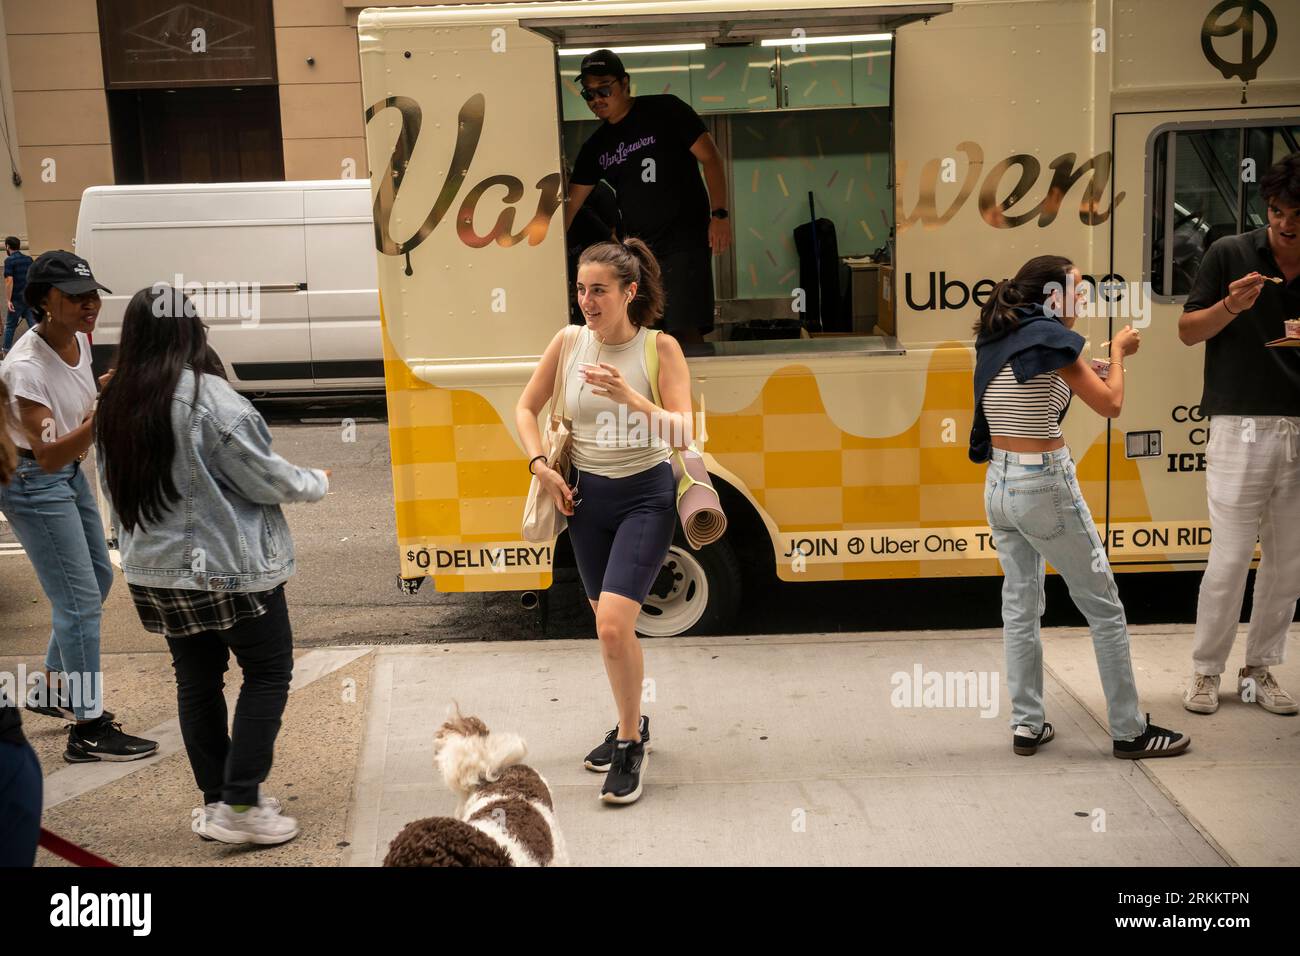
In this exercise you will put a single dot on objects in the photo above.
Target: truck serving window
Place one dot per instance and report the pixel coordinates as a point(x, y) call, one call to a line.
point(1204, 185)
point(805, 136)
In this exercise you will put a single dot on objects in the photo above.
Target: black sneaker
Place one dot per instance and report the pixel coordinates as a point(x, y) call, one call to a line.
point(1026, 744)
point(59, 711)
point(626, 766)
point(1152, 742)
point(104, 740)
point(598, 760)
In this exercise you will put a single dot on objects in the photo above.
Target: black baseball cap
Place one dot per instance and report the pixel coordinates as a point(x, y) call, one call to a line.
point(601, 63)
point(64, 271)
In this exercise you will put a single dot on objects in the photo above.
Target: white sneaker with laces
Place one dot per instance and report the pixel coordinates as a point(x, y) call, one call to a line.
point(1266, 691)
point(261, 824)
point(1202, 694)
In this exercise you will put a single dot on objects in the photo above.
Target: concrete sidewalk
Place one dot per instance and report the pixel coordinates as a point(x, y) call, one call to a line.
point(768, 750)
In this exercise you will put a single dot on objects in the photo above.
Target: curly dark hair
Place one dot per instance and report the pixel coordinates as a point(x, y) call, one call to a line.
point(444, 841)
point(1281, 183)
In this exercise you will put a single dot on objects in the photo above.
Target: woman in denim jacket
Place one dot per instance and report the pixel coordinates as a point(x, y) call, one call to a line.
point(195, 488)
point(1027, 367)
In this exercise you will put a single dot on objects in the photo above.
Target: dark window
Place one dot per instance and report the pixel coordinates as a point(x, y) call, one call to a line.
point(196, 135)
point(1203, 189)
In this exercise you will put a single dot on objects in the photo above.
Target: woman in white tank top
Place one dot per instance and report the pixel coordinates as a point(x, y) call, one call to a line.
point(620, 496)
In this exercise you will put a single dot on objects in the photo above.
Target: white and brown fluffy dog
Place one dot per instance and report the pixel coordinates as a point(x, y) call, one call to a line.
point(504, 816)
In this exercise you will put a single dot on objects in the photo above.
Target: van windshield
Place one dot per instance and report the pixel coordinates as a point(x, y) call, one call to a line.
point(804, 138)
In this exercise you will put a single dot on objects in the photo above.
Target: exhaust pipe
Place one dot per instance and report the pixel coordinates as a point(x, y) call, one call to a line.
point(528, 600)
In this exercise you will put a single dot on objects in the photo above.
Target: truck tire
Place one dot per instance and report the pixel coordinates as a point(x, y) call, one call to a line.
point(696, 592)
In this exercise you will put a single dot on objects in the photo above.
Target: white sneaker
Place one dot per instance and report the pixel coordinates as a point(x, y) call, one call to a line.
point(1202, 694)
point(200, 826)
point(1266, 691)
point(261, 824)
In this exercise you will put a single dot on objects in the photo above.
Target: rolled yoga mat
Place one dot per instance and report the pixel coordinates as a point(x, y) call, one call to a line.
point(698, 504)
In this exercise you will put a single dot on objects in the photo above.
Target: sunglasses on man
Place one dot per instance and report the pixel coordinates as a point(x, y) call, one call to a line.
point(598, 91)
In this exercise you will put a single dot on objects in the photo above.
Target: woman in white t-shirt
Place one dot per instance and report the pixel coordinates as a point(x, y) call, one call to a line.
point(50, 504)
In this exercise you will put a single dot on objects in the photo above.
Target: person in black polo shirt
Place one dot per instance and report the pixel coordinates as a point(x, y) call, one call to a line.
point(648, 149)
point(1252, 397)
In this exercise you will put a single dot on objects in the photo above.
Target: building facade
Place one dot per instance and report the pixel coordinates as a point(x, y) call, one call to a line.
point(151, 91)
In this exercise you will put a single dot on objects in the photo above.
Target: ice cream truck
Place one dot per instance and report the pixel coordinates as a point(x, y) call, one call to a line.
point(945, 143)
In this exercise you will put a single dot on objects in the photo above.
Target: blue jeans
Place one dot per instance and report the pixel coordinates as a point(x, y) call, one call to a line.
point(12, 318)
point(57, 522)
point(1037, 514)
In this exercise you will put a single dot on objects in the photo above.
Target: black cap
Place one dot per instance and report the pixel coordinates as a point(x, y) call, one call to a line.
point(601, 63)
point(66, 272)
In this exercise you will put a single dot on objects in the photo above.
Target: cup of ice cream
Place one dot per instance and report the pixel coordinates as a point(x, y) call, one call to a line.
point(1292, 328)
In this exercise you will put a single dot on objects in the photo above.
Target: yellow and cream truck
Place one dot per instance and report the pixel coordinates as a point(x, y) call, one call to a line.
point(947, 143)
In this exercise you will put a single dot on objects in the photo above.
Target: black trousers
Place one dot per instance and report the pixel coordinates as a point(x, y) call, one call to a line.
point(688, 289)
point(230, 765)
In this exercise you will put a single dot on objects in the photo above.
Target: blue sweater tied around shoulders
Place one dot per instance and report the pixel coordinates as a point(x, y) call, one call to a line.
point(1040, 343)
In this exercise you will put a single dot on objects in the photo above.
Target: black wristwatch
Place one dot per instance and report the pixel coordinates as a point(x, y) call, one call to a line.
point(719, 213)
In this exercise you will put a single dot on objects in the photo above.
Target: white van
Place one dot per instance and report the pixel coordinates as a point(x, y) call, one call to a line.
point(282, 273)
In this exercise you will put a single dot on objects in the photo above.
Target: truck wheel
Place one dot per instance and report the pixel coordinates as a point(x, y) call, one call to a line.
point(696, 592)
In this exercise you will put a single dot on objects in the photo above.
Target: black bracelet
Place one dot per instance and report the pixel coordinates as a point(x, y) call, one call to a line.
point(1229, 311)
point(531, 461)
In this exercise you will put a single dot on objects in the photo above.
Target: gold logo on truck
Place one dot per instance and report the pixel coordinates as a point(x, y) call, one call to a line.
point(469, 128)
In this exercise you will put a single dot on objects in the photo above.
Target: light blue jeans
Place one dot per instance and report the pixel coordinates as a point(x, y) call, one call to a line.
point(1037, 515)
point(57, 522)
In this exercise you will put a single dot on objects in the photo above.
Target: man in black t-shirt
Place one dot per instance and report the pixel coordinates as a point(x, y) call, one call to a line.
point(1246, 286)
point(649, 149)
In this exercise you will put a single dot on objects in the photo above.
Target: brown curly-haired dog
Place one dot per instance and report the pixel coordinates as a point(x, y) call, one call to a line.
point(505, 816)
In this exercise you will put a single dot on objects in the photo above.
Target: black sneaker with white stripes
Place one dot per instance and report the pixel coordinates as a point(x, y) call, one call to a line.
point(1152, 742)
point(1026, 743)
point(598, 760)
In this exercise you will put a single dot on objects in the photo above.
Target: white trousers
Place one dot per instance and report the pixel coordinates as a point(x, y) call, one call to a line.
point(1253, 486)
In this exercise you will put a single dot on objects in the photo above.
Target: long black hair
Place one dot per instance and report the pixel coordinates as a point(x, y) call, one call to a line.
point(1032, 285)
point(161, 334)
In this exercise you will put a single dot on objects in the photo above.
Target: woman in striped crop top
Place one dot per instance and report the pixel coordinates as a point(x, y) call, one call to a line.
point(1028, 365)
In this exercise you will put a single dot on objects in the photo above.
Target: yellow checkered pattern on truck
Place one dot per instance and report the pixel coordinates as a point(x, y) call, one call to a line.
point(459, 476)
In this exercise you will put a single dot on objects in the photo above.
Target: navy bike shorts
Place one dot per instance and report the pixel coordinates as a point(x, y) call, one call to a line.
point(622, 529)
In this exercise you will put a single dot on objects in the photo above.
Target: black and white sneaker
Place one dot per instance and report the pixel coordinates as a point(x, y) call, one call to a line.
point(104, 740)
point(1026, 743)
point(1152, 742)
point(598, 760)
point(626, 768)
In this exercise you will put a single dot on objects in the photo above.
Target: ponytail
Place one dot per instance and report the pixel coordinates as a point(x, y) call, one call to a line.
point(1032, 285)
point(632, 261)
